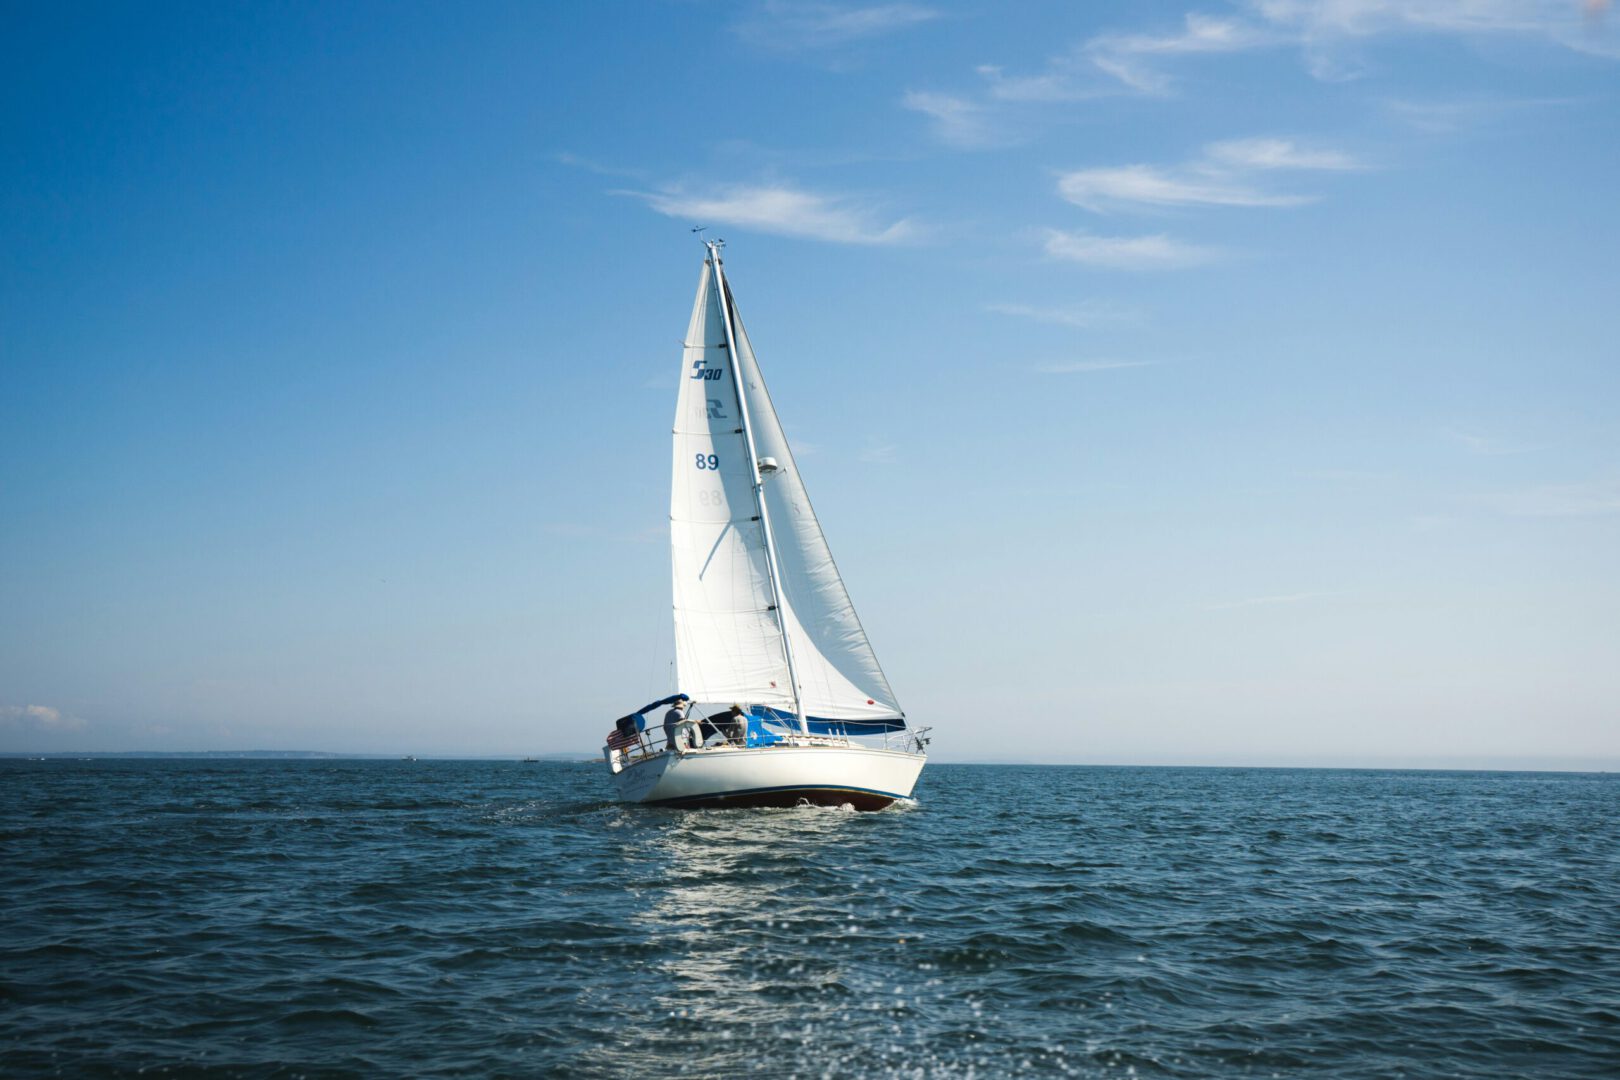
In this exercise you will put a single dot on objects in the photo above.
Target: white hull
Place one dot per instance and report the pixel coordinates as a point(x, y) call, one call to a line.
point(772, 776)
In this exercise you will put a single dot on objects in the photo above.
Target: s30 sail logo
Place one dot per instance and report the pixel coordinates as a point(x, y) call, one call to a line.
point(702, 370)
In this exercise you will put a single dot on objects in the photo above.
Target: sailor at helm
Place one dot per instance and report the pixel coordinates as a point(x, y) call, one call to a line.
point(677, 728)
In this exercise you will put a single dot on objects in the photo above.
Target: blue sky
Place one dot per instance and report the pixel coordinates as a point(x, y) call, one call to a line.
point(1217, 383)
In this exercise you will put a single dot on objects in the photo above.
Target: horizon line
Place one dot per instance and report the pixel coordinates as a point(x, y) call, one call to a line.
point(1489, 763)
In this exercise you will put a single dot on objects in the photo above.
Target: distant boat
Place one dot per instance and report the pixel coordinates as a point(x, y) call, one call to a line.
point(762, 618)
point(531, 761)
point(408, 757)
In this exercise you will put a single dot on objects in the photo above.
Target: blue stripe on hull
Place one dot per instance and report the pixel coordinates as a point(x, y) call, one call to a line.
point(789, 795)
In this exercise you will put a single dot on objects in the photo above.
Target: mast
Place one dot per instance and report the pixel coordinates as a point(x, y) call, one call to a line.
point(758, 481)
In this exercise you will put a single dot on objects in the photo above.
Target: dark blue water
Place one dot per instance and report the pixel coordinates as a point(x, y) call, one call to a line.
point(493, 918)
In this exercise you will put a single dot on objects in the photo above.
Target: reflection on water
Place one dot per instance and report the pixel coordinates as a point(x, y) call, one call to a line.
point(740, 926)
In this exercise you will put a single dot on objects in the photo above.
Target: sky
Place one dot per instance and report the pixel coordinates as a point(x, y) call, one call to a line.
point(1212, 383)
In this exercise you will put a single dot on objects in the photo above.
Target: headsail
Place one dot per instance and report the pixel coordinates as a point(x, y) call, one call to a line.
point(728, 644)
point(839, 675)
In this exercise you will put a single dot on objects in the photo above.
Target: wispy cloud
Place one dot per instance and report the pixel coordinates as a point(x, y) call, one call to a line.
point(1065, 79)
point(1154, 252)
point(1266, 601)
point(783, 25)
point(1353, 476)
point(783, 211)
point(1129, 57)
point(1122, 63)
point(1556, 500)
point(1100, 189)
point(1584, 27)
point(39, 718)
point(958, 121)
point(1082, 316)
point(1107, 65)
point(1222, 175)
point(572, 530)
point(1432, 523)
point(877, 454)
point(575, 161)
point(1466, 114)
point(1081, 367)
point(1327, 32)
point(1273, 153)
point(1486, 447)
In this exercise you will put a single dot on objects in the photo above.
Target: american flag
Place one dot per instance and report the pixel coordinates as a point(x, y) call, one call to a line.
point(622, 740)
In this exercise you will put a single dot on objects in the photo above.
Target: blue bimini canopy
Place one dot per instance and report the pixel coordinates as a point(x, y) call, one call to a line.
point(638, 719)
point(821, 725)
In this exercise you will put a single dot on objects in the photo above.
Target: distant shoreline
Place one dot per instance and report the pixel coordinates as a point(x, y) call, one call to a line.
point(276, 755)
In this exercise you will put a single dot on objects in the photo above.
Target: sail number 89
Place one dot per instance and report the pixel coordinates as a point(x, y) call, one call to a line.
point(708, 461)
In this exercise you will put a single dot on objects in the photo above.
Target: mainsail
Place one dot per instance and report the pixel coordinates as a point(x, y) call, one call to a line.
point(731, 643)
point(728, 644)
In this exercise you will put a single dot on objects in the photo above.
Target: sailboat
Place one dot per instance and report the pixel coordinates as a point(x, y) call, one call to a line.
point(765, 632)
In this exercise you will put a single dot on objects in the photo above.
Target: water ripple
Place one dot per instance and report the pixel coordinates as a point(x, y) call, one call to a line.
point(272, 919)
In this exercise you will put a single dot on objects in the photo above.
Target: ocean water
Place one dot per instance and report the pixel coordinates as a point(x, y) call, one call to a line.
point(269, 918)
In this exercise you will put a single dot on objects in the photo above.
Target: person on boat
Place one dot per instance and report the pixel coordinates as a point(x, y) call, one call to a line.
point(733, 726)
point(676, 725)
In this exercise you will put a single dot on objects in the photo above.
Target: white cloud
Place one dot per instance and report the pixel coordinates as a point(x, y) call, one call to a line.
point(39, 718)
point(1266, 601)
point(1098, 189)
point(1156, 252)
point(1084, 315)
point(781, 210)
point(1221, 176)
point(575, 161)
point(1486, 447)
point(1364, 18)
point(1127, 57)
point(573, 530)
point(1057, 83)
point(1273, 153)
point(1079, 367)
point(1432, 523)
point(1556, 500)
point(958, 121)
point(1114, 63)
point(779, 24)
point(1445, 117)
point(1318, 24)
point(1355, 476)
point(879, 454)
point(1325, 29)
point(1109, 64)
